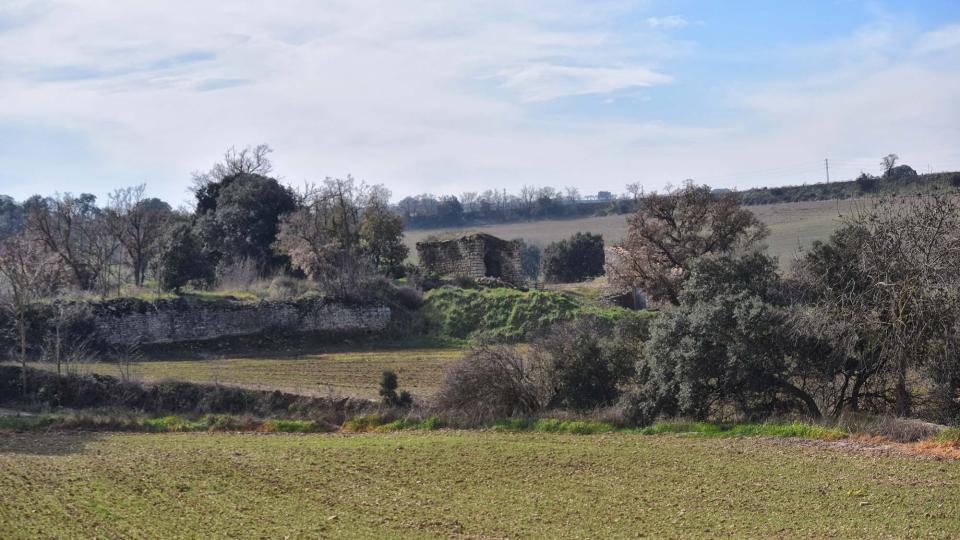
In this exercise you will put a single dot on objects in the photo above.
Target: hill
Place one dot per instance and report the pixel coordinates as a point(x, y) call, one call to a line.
point(792, 226)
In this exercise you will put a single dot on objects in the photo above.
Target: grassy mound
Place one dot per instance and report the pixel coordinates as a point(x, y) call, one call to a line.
point(505, 314)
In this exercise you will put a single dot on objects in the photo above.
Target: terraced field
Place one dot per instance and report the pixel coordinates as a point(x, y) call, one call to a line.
point(463, 485)
point(341, 373)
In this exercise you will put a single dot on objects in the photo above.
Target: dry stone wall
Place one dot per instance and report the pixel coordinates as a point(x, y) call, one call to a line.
point(476, 256)
point(173, 321)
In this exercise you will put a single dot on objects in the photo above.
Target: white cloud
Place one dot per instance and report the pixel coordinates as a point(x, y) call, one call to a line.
point(546, 82)
point(439, 96)
point(943, 39)
point(407, 94)
point(668, 22)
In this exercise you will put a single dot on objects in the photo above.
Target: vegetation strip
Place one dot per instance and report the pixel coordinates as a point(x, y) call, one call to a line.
point(374, 423)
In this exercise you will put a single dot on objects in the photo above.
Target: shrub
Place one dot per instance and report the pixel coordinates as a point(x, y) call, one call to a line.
point(288, 287)
point(582, 366)
point(388, 391)
point(490, 383)
point(577, 258)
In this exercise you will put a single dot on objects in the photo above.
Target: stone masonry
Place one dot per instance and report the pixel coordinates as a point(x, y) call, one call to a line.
point(476, 255)
point(172, 321)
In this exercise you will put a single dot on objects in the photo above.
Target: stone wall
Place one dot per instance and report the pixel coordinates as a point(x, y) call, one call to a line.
point(475, 255)
point(172, 321)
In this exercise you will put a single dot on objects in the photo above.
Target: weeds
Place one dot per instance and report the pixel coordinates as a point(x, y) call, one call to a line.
point(374, 423)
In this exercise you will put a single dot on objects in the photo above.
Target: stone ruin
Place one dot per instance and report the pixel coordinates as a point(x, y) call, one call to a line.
point(474, 255)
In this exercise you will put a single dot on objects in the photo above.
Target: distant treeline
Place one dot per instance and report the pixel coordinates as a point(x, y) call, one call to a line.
point(428, 211)
point(497, 206)
point(902, 180)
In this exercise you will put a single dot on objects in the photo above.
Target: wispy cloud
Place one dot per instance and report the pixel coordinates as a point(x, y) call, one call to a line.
point(546, 82)
point(940, 40)
point(219, 84)
point(668, 22)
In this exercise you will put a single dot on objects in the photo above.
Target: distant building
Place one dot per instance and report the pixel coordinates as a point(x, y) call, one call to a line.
point(604, 196)
point(476, 255)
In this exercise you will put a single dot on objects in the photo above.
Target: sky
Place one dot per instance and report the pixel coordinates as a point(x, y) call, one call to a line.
point(445, 97)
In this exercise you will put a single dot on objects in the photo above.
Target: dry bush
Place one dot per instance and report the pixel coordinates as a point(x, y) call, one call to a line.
point(491, 383)
point(286, 287)
point(242, 275)
point(890, 427)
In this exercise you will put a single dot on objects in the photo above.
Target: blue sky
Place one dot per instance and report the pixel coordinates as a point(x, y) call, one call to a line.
point(447, 97)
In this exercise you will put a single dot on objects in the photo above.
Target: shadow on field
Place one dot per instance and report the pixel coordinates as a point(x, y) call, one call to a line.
point(46, 444)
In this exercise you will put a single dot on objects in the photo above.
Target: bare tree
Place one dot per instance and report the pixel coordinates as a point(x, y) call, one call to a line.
point(138, 224)
point(888, 162)
point(324, 237)
point(27, 274)
point(573, 194)
point(64, 347)
point(528, 195)
point(635, 190)
point(250, 160)
point(72, 228)
point(469, 200)
point(668, 232)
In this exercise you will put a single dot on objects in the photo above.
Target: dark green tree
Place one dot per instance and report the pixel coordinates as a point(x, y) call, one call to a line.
point(577, 258)
point(529, 259)
point(182, 260)
point(727, 347)
point(242, 220)
point(381, 236)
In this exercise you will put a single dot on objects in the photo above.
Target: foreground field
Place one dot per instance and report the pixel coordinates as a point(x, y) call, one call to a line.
point(792, 225)
point(462, 484)
point(342, 373)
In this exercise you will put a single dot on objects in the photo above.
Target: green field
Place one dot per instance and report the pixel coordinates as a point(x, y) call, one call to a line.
point(340, 373)
point(464, 485)
point(791, 225)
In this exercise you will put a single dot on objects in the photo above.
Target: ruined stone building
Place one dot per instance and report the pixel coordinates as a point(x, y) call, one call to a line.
point(475, 255)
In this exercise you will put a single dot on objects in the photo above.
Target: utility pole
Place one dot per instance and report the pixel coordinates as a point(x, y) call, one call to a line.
point(826, 165)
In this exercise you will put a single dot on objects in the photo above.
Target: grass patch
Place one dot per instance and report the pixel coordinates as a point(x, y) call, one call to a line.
point(25, 423)
point(373, 423)
point(505, 314)
point(705, 429)
point(950, 435)
point(164, 424)
point(293, 426)
point(699, 429)
point(549, 425)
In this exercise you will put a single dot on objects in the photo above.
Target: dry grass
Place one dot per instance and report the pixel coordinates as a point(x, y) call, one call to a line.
point(463, 484)
point(341, 373)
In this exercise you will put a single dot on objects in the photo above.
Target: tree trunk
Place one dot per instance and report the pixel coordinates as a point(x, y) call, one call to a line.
point(902, 405)
point(22, 328)
point(812, 409)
